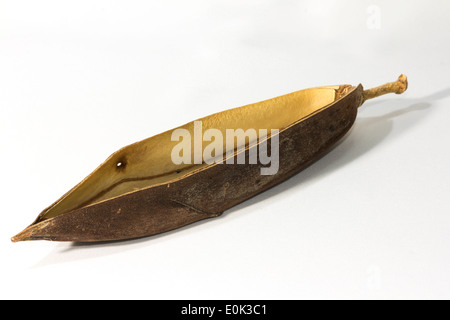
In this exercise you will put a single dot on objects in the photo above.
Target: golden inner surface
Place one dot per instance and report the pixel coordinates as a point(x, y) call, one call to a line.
point(148, 162)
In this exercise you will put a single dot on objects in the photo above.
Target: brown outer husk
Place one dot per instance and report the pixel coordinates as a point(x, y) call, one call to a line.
point(205, 194)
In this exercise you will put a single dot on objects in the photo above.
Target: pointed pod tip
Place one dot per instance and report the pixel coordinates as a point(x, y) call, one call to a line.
point(21, 236)
point(33, 232)
point(37, 231)
point(16, 239)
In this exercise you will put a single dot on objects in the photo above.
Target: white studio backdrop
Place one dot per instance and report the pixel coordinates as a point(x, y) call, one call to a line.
point(371, 220)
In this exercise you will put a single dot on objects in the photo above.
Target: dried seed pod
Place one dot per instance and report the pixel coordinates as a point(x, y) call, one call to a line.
point(141, 191)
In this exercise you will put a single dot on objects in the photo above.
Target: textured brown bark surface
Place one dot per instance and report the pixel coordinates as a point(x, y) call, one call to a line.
point(205, 194)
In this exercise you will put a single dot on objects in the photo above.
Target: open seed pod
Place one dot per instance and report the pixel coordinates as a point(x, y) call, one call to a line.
point(141, 191)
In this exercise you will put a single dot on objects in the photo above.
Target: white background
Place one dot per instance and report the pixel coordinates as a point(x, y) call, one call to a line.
point(371, 220)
